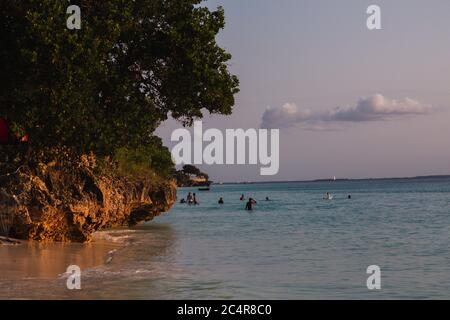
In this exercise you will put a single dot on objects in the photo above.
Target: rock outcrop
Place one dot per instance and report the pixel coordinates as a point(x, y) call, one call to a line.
point(57, 196)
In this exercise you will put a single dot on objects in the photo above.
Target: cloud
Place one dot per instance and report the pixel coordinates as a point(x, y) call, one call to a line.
point(373, 108)
point(284, 116)
point(376, 108)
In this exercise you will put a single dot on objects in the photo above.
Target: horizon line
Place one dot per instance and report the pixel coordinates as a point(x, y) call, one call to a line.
point(337, 180)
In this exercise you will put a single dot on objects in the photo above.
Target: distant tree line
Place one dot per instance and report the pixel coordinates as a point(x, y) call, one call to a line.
point(190, 175)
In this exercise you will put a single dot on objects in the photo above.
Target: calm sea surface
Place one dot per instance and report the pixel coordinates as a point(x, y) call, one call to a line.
point(297, 246)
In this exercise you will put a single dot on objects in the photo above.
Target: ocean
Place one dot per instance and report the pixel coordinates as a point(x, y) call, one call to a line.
point(296, 246)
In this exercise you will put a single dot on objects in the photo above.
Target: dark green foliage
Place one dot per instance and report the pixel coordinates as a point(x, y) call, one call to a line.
point(142, 161)
point(183, 176)
point(190, 169)
point(107, 87)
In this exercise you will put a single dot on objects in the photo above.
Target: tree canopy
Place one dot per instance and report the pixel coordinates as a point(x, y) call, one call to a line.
point(190, 169)
point(110, 84)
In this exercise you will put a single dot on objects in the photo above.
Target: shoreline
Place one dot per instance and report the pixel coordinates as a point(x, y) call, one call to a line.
point(6, 241)
point(24, 259)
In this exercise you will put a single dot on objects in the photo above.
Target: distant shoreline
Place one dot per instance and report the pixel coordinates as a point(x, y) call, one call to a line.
point(341, 180)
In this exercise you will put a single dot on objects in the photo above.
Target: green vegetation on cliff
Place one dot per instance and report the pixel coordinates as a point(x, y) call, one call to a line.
point(107, 87)
point(191, 176)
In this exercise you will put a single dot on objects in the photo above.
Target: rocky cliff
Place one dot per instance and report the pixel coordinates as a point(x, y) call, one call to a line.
point(55, 195)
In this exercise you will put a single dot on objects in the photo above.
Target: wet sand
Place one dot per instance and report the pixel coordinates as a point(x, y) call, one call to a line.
point(49, 260)
point(118, 264)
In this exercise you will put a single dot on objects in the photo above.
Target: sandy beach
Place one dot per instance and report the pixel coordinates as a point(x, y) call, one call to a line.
point(113, 266)
point(28, 259)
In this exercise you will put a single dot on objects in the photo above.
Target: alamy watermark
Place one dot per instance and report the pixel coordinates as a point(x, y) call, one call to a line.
point(374, 280)
point(241, 147)
point(74, 20)
point(374, 19)
point(74, 279)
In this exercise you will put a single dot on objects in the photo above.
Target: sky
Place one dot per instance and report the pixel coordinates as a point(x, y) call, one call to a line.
point(349, 102)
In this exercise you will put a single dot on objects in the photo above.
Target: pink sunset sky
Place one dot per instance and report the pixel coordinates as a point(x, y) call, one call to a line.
point(349, 102)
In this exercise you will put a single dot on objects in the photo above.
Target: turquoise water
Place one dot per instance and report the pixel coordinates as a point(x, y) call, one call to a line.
point(300, 246)
point(297, 246)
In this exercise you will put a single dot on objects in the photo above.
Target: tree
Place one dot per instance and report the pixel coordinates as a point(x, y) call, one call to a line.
point(191, 170)
point(110, 84)
point(184, 176)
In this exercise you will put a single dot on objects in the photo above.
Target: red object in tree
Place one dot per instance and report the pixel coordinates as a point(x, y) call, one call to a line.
point(4, 131)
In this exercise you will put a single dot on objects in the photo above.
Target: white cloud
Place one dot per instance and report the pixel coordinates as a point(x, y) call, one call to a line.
point(374, 108)
point(284, 116)
point(377, 107)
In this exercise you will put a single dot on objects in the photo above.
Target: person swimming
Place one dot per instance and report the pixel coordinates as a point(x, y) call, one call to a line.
point(242, 197)
point(349, 196)
point(183, 200)
point(249, 205)
point(221, 201)
point(267, 199)
point(328, 196)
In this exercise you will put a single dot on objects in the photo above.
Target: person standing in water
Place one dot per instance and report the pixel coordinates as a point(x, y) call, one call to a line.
point(249, 205)
point(194, 199)
point(189, 198)
point(242, 197)
point(221, 200)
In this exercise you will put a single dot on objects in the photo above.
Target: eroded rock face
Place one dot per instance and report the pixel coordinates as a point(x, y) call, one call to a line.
point(61, 197)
